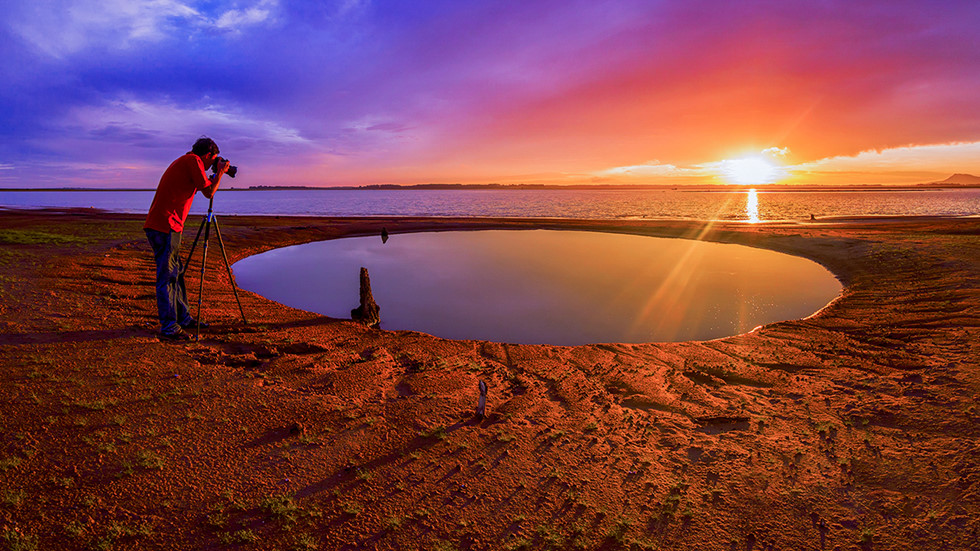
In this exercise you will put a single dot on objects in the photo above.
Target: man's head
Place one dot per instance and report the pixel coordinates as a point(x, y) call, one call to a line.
point(206, 149)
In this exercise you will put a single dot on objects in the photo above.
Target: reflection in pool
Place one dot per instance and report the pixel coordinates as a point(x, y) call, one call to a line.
point(545, 286)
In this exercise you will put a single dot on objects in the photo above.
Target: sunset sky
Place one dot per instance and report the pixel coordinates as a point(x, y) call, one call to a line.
point(105, 93)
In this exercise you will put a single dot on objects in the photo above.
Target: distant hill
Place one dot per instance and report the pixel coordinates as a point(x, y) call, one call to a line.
point(962, 180)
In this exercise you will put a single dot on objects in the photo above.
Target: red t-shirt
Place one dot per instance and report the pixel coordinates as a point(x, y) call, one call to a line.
point(175, 193)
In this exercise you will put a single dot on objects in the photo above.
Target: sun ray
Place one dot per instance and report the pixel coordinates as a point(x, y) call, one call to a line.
point(667, 297)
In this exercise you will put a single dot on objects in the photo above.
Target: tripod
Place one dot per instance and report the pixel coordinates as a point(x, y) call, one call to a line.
point(210, 220)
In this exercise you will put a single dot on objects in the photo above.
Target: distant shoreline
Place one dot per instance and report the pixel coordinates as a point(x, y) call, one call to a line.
point(763, 188)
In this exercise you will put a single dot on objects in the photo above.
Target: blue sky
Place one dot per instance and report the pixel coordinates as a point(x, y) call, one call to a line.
point(106, 93)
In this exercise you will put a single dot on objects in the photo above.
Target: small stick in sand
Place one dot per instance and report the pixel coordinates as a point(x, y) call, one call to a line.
point(481, 407)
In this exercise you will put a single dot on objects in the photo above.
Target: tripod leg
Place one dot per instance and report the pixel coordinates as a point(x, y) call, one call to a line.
point(204, 263)
point(193, 246)
point(234, 288)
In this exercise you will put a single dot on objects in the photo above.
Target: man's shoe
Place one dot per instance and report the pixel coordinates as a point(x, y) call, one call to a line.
point(177, 334)
point(193, 325)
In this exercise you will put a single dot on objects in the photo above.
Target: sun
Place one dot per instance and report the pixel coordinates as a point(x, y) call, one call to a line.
point(750, 171)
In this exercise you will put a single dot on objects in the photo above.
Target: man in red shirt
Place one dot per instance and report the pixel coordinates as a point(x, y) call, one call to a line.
point(164, 223)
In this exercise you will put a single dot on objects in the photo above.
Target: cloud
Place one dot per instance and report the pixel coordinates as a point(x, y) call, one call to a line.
point(951, 157)
point(60, 29)
point(650, 169)
point(376, 123)
point(138, 121)
point(777, 152)
point(126, 142)
point(235, 19)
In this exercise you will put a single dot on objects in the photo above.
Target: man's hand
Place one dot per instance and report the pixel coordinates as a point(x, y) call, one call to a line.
point(221, 165)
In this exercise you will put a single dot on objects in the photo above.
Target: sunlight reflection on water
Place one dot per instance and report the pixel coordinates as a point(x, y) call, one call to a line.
point(752, 206)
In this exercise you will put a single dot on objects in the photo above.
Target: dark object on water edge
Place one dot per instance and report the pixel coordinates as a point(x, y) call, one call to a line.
point(384, 235)
point(368, 313)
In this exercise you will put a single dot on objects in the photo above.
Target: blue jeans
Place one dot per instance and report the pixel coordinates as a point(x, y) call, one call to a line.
point(171, 293)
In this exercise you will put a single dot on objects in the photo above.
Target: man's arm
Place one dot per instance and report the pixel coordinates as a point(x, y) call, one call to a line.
point(220, 168)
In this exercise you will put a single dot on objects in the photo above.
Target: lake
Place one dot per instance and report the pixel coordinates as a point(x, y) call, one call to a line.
point(546, 286)
point(605, 203)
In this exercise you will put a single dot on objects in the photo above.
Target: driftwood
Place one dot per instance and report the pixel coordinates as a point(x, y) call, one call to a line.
point(368, 313)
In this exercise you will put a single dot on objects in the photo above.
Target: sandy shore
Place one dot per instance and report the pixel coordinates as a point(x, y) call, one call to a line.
point(856, 428)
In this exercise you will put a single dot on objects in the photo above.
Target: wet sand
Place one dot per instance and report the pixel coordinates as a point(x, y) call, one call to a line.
point(855, 428)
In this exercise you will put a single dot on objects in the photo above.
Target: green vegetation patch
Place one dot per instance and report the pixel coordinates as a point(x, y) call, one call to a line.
point(35, 237)
point(283, 507)
point(17, 541)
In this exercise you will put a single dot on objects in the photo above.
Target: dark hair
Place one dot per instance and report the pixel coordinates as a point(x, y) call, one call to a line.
point(203, 146)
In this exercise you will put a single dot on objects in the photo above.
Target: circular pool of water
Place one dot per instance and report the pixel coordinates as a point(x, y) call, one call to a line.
point(546, 286)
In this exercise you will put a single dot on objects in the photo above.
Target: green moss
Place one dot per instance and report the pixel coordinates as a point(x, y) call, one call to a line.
point(16, 541)
point(35, 237)
point(281, 506)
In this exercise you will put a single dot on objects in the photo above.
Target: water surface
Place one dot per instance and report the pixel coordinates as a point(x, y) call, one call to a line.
point(606, 203)
point(546, 286)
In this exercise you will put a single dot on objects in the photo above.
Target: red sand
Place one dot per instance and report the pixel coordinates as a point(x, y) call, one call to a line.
point(853, 429)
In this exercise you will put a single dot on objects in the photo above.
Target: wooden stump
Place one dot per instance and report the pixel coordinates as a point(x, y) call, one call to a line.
point(368, 313)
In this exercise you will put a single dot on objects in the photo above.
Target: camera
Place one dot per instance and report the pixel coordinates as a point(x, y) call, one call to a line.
point(232, 170)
